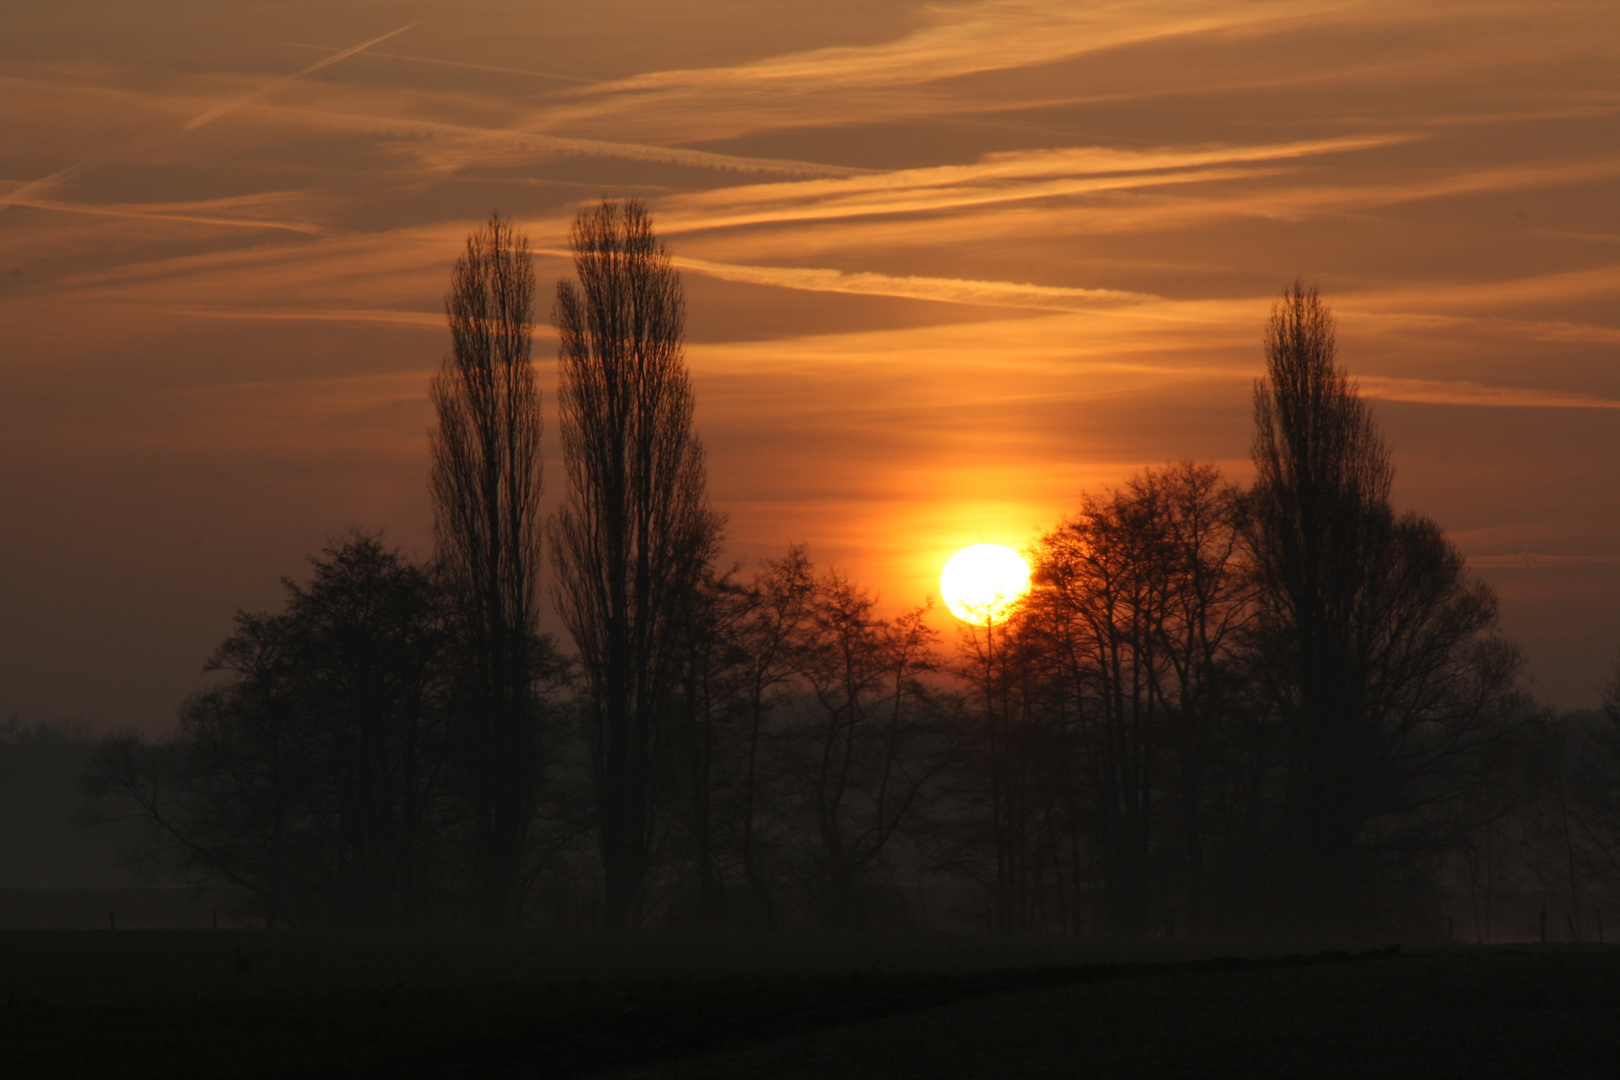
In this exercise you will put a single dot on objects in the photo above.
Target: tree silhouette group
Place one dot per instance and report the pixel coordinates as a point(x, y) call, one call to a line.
point(1280, 710)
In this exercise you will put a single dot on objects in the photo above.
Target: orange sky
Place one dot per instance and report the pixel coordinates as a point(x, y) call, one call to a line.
point(947, 265)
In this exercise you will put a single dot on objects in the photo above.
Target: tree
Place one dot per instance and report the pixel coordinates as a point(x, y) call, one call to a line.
point(634, 533)
point(776, 615)
point(1017, 772)
point(1210, 605)
point(486, 485)
point(1388, 683)
point(367, 643)
point(861, 749)
point(312, 783)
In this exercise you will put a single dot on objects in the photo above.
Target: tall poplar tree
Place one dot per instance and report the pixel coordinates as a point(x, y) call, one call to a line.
point(486, 484)
point(634, 533)
point(1395, 694)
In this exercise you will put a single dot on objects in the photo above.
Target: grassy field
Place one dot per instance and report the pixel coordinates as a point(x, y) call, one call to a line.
point(226, 1004)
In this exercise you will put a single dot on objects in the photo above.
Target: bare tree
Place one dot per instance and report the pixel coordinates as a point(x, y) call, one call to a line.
point(1016, 773)
point(1108, 577)
point(635, 531)
point(778, 612)
point(861, 749)
point(486, 484)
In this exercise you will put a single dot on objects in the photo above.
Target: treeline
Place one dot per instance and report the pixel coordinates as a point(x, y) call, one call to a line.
point(1218, 711)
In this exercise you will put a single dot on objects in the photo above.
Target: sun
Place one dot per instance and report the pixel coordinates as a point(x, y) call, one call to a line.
point(981, 583)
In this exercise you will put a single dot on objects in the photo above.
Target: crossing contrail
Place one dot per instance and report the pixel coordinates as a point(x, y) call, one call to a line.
point(451, 63)
point(221, 110)
point(31, 189)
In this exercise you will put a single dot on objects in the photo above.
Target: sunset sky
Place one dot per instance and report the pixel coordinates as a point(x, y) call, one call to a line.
point(947, 266)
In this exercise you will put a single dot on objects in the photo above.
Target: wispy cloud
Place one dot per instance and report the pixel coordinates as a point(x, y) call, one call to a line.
point(1531, 560)
point(832, 85)
point(996, 178)
point(416, 319)
point(947, 290)
point(1470, 393)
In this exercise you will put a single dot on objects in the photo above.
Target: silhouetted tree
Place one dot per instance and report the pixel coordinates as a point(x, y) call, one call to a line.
point(712, 670)
point(486, 485)
point(1387, 680)
point(635, 532)
point(1014, 723)
point(367, 639)
point(860, 749)
point(777, 611)
point(1210, 719)
point(1136, 616)
point(1570, 823)
point(313, 784)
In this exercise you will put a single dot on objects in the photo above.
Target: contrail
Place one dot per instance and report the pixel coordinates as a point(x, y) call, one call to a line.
point(25, 192)
point(220, 110)
point(30, 190)
point(451, 63)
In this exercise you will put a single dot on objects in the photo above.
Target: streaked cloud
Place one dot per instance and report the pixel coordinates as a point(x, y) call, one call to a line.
point(835, 85)
point(946, 290)
point(1468, 393)
point(1529, 560)
point(997, 178)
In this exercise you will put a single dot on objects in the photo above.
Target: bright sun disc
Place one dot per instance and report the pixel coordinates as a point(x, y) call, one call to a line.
point(981, 583)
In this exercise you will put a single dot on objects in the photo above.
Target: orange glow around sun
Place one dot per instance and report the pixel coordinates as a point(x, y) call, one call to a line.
point(980, 584)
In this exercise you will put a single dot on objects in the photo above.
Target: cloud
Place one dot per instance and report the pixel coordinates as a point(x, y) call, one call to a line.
point(1430, 299)
point(994, 179)
point(1535, 559)
point(1429, 392)
point(945, 290)
point(845, 83)
point(416, 319)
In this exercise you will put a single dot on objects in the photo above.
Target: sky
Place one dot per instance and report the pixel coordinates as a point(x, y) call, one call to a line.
point(948, 266)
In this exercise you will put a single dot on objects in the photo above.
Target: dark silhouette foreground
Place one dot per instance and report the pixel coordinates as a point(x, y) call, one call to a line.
point(348, 1005)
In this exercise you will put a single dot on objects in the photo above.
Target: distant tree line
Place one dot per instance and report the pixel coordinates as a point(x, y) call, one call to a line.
point(1218, 711)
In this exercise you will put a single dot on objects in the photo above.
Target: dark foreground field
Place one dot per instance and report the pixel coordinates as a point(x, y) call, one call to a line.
point(225, 1004)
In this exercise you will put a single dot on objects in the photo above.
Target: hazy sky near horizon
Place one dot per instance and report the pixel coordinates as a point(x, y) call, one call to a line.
point(948, 265)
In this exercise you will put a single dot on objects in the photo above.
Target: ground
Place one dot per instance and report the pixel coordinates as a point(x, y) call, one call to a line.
point(229, 1003)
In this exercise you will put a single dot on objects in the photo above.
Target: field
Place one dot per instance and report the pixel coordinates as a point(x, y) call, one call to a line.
point(236, 1003)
